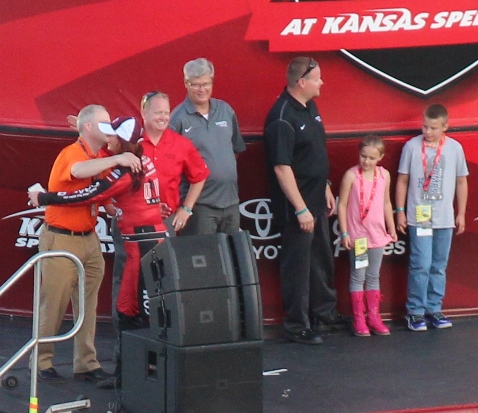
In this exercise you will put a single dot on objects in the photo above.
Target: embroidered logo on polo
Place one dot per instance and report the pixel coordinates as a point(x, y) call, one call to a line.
point(187, 129)
point(420, 47)
point(221, 123)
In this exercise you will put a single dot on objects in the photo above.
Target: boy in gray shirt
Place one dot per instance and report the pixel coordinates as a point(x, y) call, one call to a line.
point(432, 170)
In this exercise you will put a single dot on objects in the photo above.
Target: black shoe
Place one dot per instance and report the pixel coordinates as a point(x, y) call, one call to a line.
point(51, 375)
point(306, 336)
point(110, 383)
point(95, 375)
point(334, 319)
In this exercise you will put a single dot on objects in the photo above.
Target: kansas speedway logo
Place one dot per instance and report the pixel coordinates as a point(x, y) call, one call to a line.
point(420, 47)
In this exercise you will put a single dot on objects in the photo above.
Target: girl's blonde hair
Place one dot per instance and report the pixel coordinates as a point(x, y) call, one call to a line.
point(373, 140)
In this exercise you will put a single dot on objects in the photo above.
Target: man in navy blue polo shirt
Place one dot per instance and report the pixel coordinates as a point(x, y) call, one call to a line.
point(302, 200)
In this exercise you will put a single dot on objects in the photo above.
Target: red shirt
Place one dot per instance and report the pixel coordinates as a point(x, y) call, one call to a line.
point(174, 156)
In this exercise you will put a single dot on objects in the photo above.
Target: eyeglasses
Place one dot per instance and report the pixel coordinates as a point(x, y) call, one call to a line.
point(311, 65)
point(147, 97)
point(197, 86)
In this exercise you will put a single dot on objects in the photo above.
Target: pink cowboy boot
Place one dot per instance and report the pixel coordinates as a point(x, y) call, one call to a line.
point(359, 325)
point(374, 321)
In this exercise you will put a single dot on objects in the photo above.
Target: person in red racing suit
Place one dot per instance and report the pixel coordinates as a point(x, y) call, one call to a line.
point(137, 203)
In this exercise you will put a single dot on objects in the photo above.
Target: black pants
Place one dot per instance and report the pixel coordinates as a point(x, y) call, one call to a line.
point(307, 274)
point(121, 322)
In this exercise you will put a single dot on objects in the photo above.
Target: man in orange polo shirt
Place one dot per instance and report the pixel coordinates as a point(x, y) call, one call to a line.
point(73, 229)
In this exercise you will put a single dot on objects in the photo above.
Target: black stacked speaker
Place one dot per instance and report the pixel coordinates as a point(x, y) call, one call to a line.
point(203, 350)
point(216, 378)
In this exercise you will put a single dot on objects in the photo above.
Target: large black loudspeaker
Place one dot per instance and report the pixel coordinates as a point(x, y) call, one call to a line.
point(161, 378)
point(186, 318)
point(198, 262)
point(203, 290)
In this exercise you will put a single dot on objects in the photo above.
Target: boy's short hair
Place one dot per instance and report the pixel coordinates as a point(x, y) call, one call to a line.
point(436, 111)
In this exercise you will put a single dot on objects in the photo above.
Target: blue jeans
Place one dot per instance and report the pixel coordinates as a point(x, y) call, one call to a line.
point(427, 270)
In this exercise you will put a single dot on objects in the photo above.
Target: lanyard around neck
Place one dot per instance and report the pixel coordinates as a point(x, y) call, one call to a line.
point(80, 141)
point(96, 177)
point(364, 209)
point(428, 176)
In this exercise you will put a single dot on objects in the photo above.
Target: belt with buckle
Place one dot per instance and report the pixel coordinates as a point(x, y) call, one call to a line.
point(65, 231)
point(147, 236)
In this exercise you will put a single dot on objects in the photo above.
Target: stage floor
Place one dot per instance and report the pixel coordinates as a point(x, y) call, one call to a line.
point(433, 371)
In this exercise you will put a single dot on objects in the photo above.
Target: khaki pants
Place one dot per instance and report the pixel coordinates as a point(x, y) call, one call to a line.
point(60, 285)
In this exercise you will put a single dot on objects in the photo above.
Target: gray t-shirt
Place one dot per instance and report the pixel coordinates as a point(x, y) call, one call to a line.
point(217, 139)
point(441, 191)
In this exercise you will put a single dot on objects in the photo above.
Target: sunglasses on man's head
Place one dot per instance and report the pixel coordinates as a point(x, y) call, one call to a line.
point(310, 66)
point(148, 96)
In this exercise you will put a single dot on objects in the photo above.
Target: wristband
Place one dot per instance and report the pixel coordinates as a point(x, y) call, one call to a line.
point(188, 210)
point(399, 209)
point(302, 211)
point(329, 182)
point(344, 234)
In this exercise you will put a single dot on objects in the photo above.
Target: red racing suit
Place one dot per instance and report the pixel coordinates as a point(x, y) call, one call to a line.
point(140, 223)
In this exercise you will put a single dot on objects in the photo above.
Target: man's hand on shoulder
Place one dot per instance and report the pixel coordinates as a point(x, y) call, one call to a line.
point(129, 160)
point(72, 122)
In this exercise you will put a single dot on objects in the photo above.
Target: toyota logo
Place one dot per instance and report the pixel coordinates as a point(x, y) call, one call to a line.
point(258, 210)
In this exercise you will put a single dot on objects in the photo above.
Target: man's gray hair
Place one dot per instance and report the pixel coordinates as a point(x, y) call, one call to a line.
point(197, 68)
point(86, 115)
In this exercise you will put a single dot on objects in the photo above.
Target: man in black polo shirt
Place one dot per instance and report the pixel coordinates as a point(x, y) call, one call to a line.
point(298, 167)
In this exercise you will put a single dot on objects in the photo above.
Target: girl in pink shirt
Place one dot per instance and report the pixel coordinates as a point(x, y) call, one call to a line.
point(366, 226)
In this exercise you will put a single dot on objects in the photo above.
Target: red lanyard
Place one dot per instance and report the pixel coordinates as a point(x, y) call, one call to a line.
point(365, 209)
point(428, 177)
